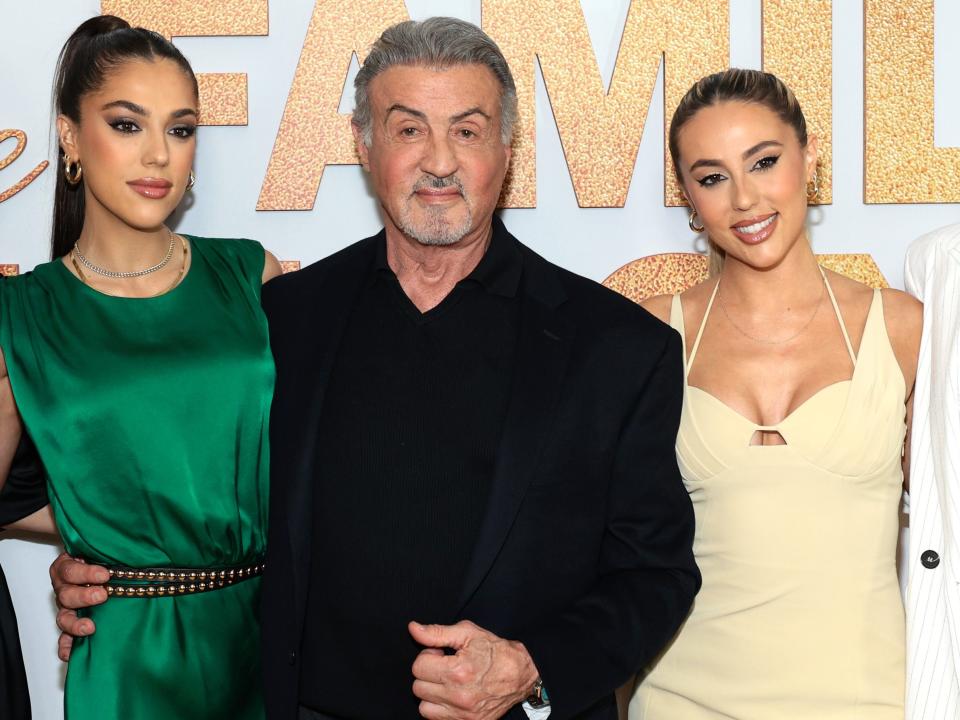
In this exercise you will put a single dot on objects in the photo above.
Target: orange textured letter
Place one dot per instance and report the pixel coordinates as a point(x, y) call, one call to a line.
point(313, 133)
point(601, 130)
point(223, 96)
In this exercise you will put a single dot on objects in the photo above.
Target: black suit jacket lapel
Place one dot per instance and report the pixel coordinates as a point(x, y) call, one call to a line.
point(333, 304)
point(543, 349)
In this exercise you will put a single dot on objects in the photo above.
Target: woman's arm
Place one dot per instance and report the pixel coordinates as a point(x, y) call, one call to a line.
point(658, 306)
point(905, 460)
point(39, 522)
point(271, 266)
point(903, 316)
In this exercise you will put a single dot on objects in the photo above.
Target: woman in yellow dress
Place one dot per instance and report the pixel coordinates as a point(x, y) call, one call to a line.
point(796, 408)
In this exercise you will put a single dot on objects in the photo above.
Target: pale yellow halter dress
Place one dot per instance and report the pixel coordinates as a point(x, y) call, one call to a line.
point(800, 615)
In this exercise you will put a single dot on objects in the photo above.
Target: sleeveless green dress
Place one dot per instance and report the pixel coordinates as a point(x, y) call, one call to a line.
point(151, 418)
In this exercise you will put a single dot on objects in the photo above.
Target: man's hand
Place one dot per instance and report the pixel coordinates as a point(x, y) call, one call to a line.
point(76, 585)
point(484, 679)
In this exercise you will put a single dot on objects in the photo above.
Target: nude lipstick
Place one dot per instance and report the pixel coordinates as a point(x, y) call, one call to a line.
point(755, 230)
point(151, 188)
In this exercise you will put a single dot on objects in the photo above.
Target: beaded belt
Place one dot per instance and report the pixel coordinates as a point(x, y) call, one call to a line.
point(166, 582)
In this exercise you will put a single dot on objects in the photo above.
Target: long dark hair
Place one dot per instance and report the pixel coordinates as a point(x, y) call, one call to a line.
point(98, 46)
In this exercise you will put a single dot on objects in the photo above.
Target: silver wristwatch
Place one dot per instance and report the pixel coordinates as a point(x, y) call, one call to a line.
point(538, 697)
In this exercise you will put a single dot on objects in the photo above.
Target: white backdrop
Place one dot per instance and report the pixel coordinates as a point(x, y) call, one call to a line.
point(594, 242)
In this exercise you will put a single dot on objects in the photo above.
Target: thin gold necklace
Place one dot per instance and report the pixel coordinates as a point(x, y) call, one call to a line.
point(176, 281)
point(768, 341)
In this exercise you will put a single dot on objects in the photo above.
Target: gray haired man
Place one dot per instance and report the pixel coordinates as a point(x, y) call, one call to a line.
point(476, 510)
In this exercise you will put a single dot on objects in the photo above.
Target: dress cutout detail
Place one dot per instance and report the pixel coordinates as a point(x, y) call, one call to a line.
point(151, 418)
point(800, 615)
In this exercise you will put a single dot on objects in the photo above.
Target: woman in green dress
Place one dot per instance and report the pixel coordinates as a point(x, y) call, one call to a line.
point(138, 362)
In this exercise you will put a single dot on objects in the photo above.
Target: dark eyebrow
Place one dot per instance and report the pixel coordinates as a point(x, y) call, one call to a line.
point(404, 109)
point(755, 149)
point(760, 146)
point(705, 163)
point(139, 110)
point(127, 105)
point(467, 113)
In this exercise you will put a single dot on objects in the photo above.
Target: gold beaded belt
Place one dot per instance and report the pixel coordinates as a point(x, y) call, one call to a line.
point(166, 582)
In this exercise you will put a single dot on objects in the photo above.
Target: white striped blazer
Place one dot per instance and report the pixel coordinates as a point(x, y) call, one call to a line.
point(932, 274)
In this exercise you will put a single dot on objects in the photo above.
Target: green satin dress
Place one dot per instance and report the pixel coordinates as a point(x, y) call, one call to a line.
point(151, 418)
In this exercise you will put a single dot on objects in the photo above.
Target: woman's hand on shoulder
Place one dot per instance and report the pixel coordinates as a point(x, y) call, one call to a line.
point(903, 316)
point(658, 306)
point(271, 267)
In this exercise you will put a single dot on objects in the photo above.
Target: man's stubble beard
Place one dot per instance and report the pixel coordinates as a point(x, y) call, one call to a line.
point(435, 229)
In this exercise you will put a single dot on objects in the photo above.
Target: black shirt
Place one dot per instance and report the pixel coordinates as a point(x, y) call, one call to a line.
point(406, 451)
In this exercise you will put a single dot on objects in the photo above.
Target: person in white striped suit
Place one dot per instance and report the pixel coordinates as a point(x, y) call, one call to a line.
point(932, 274)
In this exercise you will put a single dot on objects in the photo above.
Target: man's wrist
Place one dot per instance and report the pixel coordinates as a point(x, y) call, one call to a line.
point(529, 676)
point(538, 697)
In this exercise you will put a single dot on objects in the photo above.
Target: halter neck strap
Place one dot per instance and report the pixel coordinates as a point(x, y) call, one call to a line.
point(703, 324)
point(833, 302)
point(836, 309)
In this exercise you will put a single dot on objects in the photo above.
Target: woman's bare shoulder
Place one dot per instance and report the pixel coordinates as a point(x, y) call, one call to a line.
point(903, 308)
point(854, 299)
point(694, 299)
point(659, 306)
point(903, 315)
point(846, 288)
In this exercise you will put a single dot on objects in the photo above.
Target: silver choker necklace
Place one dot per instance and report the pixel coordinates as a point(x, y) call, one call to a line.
point(121, 275)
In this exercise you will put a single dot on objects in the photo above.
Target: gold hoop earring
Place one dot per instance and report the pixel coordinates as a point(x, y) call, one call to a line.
point(191, 181)
point(691, 221)
point(72, 171)
point(813, 187)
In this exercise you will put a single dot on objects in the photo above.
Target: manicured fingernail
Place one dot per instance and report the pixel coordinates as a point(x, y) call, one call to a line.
point(99, 595)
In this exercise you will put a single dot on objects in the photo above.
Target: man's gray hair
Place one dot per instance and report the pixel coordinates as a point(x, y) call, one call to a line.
point(437, 43)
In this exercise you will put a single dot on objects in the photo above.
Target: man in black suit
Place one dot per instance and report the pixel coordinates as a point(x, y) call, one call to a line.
point(463, 431)
point(476, 509)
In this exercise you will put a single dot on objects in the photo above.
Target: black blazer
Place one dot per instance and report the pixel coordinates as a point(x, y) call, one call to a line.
point(584, 553)
point(24, 492)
